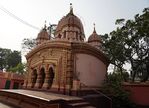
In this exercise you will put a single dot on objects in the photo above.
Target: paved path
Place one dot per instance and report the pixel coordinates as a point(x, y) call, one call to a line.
point(2, 105)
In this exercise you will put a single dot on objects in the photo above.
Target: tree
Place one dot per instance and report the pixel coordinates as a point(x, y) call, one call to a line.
point(28, 44)
point(3, 58)
point(129, 43)
point(113, 88)
point(9, 59)
point(114, 48)
point(14, 58)
point(140, 43)
point(20, 68)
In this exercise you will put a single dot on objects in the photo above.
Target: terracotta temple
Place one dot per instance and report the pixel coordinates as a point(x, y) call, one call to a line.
point(66, 63)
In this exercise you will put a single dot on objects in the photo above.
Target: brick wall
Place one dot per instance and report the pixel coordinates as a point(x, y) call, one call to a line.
point(139, 93)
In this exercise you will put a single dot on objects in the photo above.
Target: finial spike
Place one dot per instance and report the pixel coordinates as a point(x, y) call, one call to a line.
point(45, 26)
point(94, 28)
point(71, 8)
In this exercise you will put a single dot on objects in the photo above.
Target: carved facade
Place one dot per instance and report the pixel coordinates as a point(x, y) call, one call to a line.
point(67, 63)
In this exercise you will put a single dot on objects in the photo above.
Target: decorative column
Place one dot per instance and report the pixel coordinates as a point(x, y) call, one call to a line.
point(69, 72)
point(47, 78)
point(39, 79)
point(33, 78)
point(29, 78)
point(64, 71)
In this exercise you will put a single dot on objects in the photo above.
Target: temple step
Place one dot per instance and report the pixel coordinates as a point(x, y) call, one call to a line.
point(79, 104)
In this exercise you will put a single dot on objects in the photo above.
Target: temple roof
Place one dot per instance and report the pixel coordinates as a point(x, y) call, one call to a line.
point(70, 20)
point(43, 34)
point(94, 37)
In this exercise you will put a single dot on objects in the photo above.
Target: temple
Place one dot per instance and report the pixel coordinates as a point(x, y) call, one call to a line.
point(67, 63)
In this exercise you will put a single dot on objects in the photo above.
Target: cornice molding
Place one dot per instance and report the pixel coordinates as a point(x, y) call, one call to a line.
point(75, 47)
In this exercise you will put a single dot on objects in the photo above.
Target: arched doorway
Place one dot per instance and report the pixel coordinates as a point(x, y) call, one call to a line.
point(33, 78)
point(42, 73)
point(51, 74)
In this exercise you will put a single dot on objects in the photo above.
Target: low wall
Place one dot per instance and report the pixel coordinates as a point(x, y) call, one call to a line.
point(139, 93)
point(10, 80)
point(2, 83)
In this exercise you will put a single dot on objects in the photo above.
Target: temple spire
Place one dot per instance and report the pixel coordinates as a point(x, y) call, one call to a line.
point(45, 26)
point(94, 28)
point(71, 8)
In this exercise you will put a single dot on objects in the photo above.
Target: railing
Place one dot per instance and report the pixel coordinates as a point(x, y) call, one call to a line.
point(98, 92)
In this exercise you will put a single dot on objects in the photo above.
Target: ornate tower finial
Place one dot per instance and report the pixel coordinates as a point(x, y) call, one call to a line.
point(71, 8)
point(45, 26)
point(94, 28)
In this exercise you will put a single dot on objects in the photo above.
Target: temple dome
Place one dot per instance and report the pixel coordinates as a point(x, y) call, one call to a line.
point(70, 23)
point(70, 20)
point(95, 40)
point(94, 37)
point(42, 36)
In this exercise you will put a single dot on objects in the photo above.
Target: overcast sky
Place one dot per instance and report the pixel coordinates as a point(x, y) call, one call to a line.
point(101, 12)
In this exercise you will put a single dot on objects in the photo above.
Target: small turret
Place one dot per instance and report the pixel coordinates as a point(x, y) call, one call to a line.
point(42, 35)
point(95, 39)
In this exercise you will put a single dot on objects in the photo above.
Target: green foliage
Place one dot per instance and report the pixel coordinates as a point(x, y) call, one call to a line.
point(129, 42)
point(8, 58)
point(13, 59)
point(28, 44)
point(113, 88)
point(20, 69)
point(4, 57)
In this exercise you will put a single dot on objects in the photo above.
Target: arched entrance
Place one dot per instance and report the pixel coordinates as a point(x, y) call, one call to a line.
point(51, 76)
point(42, 73)
point(33, 78)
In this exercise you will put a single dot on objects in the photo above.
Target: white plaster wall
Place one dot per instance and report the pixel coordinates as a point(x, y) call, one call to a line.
point(91, 71)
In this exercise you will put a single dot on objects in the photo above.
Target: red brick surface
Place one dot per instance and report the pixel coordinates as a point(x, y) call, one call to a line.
point(139, 93)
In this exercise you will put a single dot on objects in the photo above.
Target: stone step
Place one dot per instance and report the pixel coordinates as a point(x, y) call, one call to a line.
point(87, 107)
point(79, 104)
point(76, 101)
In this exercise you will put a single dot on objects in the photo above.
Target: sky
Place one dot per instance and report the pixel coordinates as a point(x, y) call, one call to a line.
point(101, 12)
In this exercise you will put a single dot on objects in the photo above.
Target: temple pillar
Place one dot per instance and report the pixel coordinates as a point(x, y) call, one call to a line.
point(39, 79)
point(25, 83)
point(29, 84)
point(29, 81)
point(47, 77)
point(33, 79)
point(69, 73)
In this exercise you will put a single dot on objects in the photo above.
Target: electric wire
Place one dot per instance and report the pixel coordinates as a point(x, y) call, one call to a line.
point(17, 18)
